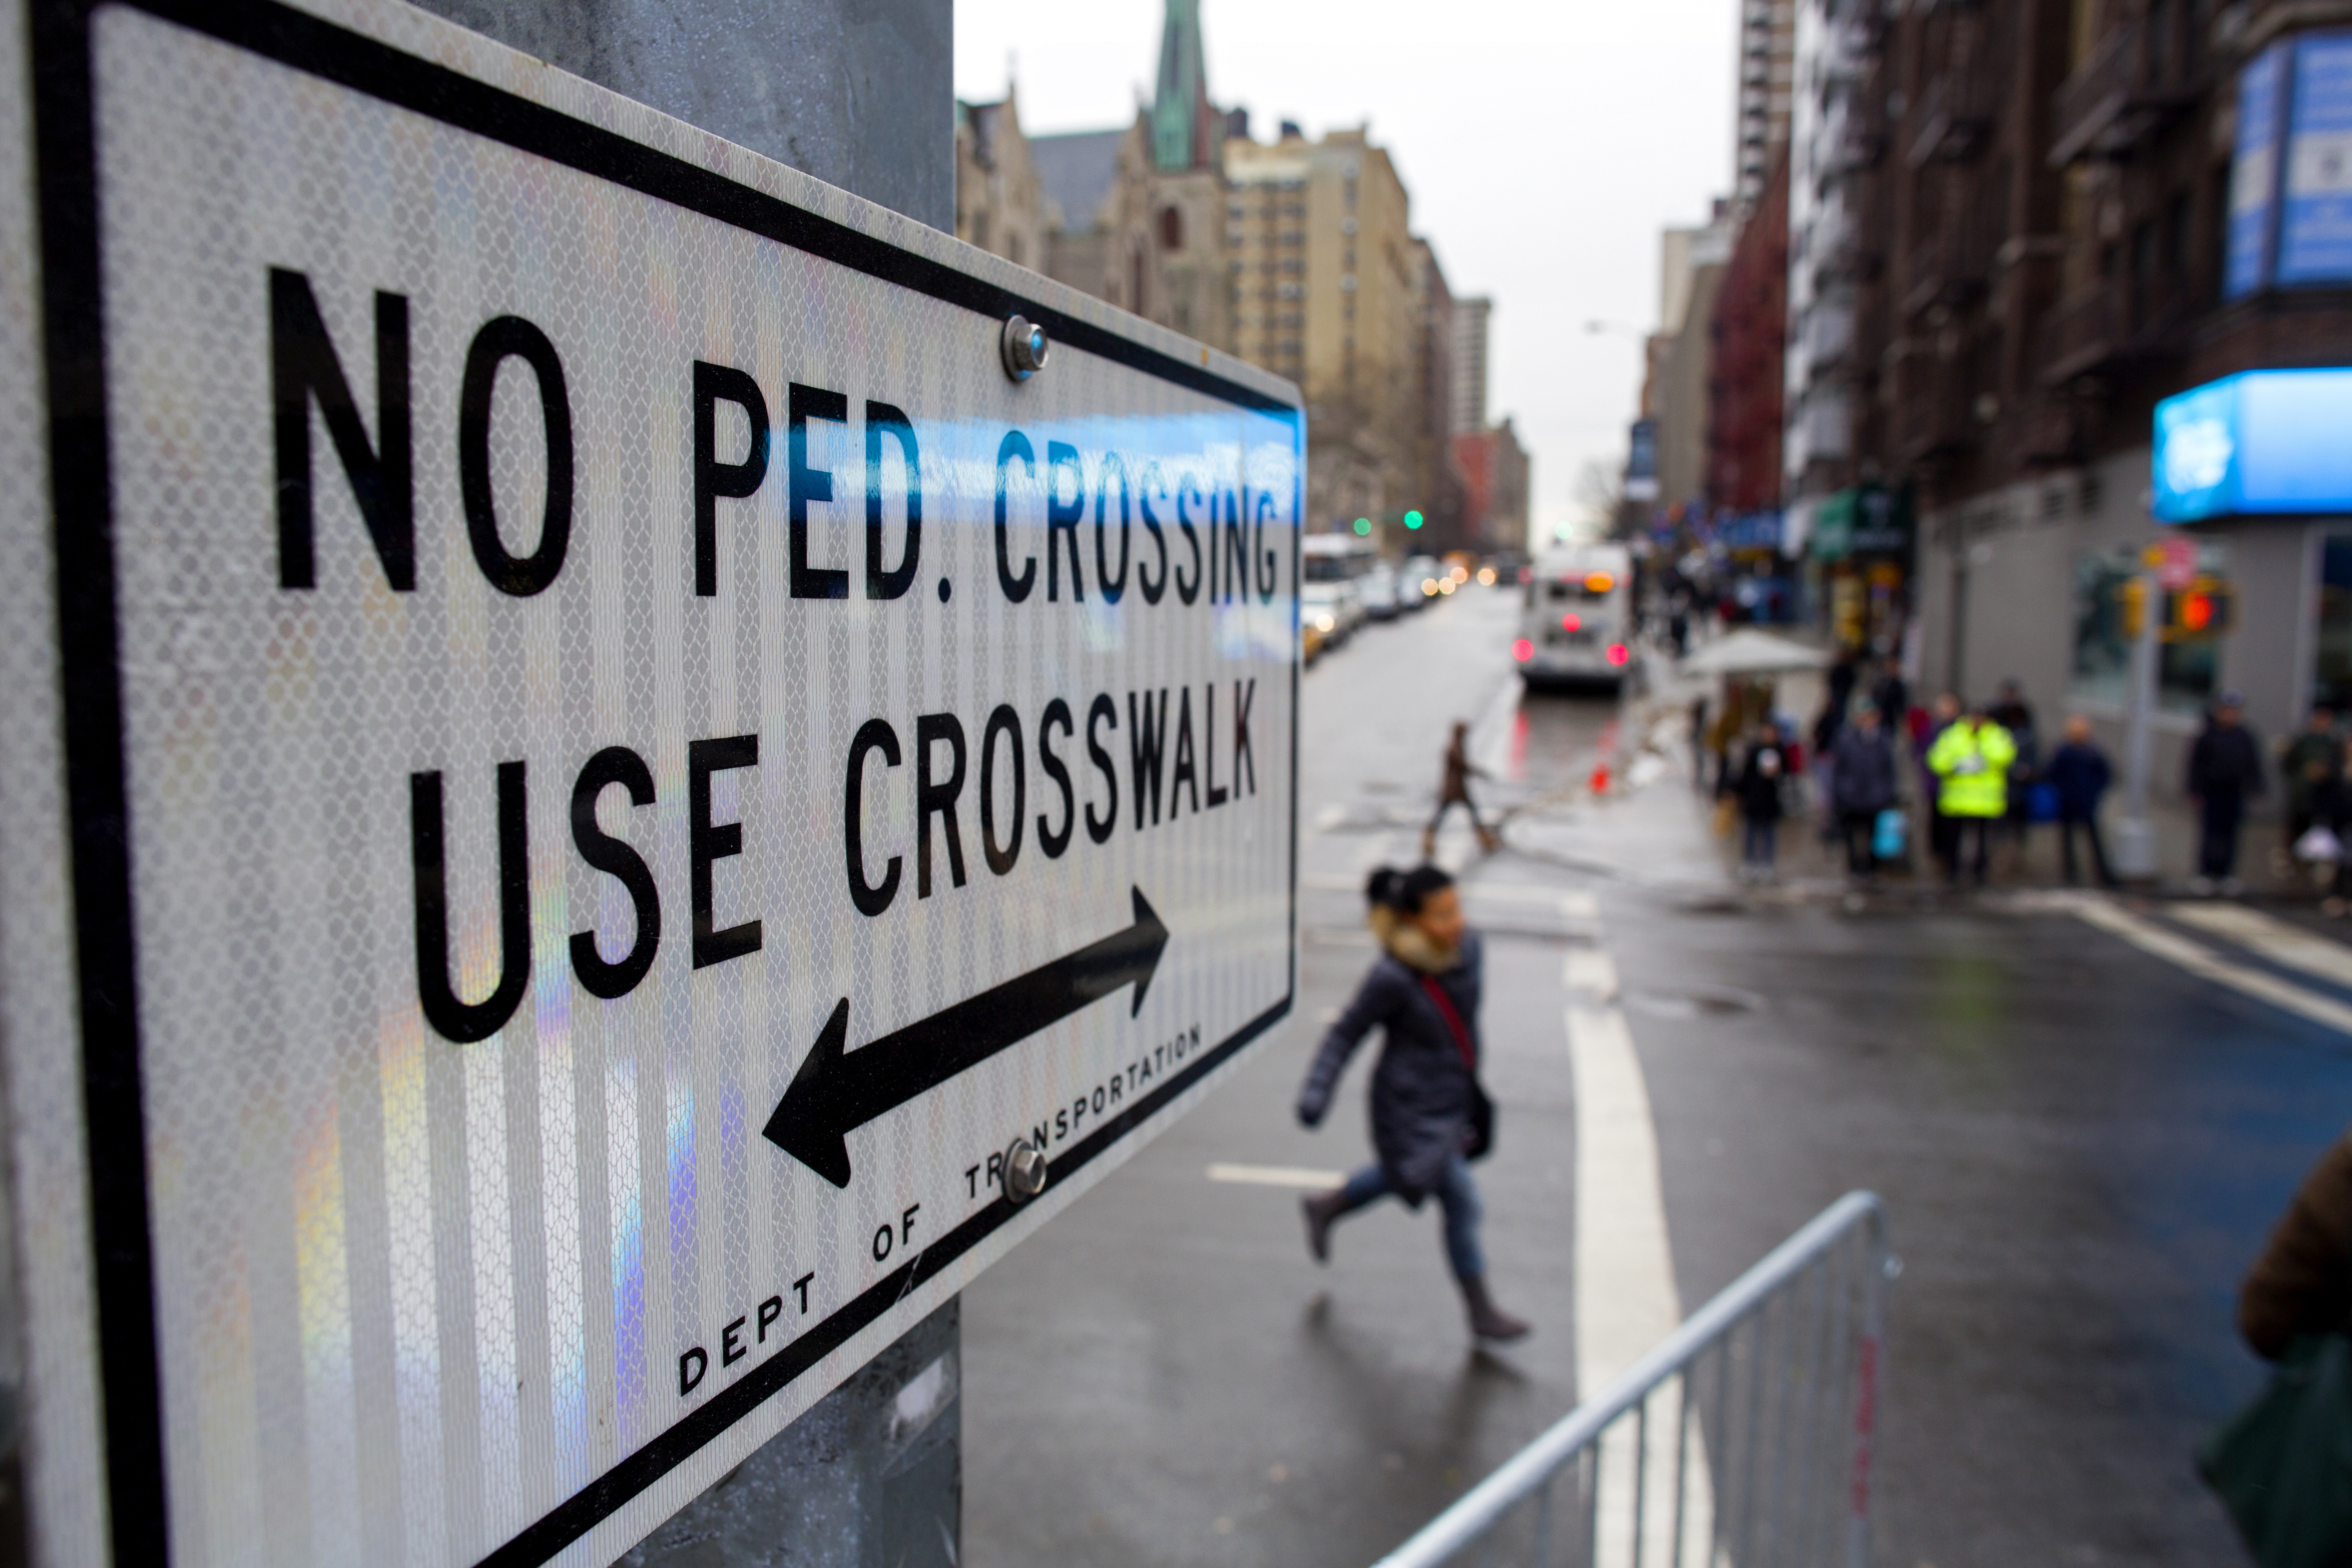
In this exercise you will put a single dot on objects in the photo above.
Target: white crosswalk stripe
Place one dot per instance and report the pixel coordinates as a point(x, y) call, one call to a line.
point(2202, 960)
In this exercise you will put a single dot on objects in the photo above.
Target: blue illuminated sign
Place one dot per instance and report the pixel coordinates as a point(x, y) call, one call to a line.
point(2314, 242)
point(2254, 173)
point(2265, 441)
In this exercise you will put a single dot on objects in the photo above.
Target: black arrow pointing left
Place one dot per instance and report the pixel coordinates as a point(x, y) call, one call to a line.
point(838, 1090)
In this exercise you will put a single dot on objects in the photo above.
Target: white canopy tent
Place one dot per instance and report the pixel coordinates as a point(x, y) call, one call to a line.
point(1750, 652)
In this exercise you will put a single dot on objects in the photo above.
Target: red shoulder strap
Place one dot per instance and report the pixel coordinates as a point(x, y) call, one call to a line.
point(1452, 1020)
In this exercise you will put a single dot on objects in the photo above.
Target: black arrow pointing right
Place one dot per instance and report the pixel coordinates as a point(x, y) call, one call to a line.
point(838, 1090)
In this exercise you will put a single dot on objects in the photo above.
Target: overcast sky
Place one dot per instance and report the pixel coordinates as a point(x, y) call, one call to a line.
point(1544, 145)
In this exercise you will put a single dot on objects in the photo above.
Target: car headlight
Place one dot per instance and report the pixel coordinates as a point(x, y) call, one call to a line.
point(1325, 622)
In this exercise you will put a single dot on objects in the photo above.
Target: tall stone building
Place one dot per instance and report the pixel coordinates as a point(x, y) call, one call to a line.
point(1188, 183)
point(1100, 216)
point(1467, 374)
point(1681, 353)
point(1768, 47)
point(1328, 293)
point(1000, 205)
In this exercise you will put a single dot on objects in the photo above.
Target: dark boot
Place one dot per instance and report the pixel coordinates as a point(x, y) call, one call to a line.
point(1321, 1209)
point(1488, 1322)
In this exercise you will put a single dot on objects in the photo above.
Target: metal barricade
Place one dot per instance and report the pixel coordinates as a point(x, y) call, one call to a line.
point(1745, 1440)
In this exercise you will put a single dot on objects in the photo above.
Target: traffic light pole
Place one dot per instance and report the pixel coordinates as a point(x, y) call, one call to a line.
point(2134, 856)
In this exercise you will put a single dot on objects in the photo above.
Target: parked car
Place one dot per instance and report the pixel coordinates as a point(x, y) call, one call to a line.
point(1379, 587)
point(1331, 608)
point(1422, 574)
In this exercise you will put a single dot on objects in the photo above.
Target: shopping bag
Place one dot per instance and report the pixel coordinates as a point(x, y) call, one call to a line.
point(2319, 845)
point(1727, 812)
point(2042, 802)
point(2282, 1465)
point(1889, 834)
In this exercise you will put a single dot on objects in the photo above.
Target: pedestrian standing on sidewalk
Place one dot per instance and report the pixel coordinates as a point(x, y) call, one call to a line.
point(1864, 779)
point(2314, 756)
point(1891, 693)
point(1942, 833)
point(1834, 720)
point(2331, 807)
point(2014, 714)
point(2225, 769)
point(1430, 1116)
point(1454, 790)
point(1972, 758)
point(2080, 773)
point(1762, 774)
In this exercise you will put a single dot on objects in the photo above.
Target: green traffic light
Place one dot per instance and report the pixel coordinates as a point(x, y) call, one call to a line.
point(1363, 525)
point(1414, 520)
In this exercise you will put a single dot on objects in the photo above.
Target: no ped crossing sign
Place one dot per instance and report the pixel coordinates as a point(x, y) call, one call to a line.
point(585, 763)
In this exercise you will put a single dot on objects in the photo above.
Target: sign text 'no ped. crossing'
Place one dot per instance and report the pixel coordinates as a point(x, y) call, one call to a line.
point(627, 770)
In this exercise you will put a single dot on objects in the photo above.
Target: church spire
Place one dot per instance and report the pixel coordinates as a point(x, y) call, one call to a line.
point(1181, 134)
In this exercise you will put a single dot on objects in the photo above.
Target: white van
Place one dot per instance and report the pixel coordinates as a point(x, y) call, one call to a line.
point(1332, 567)
point(1576, 626)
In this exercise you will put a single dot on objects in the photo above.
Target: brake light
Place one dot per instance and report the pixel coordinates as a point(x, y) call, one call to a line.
point(1523, 650)
point(1618, 654)
point(1570, 622)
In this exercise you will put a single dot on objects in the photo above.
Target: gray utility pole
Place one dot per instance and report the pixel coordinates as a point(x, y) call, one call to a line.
point(861, 94)
point(2135, 836)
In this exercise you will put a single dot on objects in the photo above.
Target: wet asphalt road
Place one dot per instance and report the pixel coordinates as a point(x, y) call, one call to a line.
point(2081, 1145)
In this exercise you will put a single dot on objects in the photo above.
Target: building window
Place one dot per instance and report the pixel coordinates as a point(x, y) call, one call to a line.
point(2331, 674)
point(1172, 229)
point(2187, 669)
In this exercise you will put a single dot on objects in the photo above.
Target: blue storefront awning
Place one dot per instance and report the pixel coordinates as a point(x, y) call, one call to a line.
point(2260, 442)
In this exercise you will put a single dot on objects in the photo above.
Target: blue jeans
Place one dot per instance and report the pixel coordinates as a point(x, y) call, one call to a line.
point(1456, 1193)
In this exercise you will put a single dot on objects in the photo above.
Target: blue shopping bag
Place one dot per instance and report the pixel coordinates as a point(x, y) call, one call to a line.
point(1889, 834)
point(2042, 802)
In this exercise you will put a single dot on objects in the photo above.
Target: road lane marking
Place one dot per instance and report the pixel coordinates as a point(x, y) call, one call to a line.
point(1580, 906)
point(2279, 941)
point(1626, 1301)
point(1278, 1176)
point(1591, 972)
point(2203, 962)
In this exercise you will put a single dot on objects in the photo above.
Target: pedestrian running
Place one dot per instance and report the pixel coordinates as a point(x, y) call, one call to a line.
point(1430, 1117)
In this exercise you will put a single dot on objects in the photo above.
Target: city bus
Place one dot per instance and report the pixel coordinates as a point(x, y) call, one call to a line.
point(1577, 624)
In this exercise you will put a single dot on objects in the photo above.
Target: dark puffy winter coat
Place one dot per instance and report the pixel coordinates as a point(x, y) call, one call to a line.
point(1421, 1089)
point(2081, 774)
point(1862, 777)
point(1759, 791)
point(2225, 763)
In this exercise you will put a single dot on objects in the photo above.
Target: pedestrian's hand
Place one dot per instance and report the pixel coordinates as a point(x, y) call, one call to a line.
point(1311, 1107)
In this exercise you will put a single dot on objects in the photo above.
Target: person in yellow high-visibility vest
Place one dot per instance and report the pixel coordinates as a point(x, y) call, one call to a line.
point(1970, 760)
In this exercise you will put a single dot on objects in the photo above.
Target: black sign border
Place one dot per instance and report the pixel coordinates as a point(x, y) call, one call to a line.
point(73, 356)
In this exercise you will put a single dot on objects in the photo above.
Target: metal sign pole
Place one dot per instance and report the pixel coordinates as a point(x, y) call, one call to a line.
point(2135, 836)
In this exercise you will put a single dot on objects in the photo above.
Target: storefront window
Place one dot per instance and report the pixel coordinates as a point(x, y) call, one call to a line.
point(2187, 667)
point(2331, 674)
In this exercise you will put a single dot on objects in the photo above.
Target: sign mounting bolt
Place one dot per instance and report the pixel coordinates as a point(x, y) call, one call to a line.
point(1024, 348)
point(1024, 1171)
